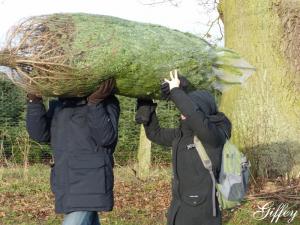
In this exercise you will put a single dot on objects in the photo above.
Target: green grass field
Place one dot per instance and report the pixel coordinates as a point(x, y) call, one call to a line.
point(25, 199)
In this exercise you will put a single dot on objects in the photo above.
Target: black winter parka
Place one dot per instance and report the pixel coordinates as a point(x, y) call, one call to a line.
point(192, 185)
point(83, 138)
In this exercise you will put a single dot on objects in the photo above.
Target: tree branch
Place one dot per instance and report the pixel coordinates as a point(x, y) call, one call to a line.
point(156, 2)
point(210, 27)
point(211, 6)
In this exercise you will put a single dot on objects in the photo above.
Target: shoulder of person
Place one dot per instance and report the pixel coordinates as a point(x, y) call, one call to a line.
point(53, 103)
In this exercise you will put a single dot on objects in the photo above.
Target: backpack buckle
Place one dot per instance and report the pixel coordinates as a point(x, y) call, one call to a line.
point(190, 146)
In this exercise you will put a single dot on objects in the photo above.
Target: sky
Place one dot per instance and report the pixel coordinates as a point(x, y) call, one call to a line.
point(188, 16)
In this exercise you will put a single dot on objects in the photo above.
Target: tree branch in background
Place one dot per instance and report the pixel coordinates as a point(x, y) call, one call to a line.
point(156, 2)
point(211, 7)
point(220, 27)
point(211, 24)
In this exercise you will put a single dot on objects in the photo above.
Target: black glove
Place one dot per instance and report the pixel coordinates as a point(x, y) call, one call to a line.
point(165, 87)
point(144, 110)
point(165, 90)
point(184, 83)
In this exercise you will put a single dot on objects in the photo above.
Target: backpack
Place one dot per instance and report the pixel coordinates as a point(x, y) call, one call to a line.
point(233, 179)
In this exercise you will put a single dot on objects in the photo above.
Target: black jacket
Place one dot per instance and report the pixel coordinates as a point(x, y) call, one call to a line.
point(192, 185)
point(83, 139)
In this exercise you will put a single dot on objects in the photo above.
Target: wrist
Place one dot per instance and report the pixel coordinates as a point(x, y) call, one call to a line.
point(175, 89)
point(172, 87)
point(95, 102)
point(31, 98)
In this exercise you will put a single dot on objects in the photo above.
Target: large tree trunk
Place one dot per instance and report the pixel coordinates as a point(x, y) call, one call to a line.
point(265, 112)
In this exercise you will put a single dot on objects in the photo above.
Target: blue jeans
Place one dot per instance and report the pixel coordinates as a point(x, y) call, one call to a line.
point(81, 218)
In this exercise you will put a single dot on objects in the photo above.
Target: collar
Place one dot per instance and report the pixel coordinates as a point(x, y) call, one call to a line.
point(73, 102)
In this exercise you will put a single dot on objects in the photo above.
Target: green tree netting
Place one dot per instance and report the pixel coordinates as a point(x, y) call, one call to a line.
point(70, 54)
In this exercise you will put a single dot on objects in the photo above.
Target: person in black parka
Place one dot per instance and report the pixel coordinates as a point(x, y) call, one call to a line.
point(83, 134)
point(191, 185)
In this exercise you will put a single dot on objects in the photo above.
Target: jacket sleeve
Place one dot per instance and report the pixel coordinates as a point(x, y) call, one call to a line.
point(103, 121)
point(161, 136)
point(38, 122)
point(205, 130)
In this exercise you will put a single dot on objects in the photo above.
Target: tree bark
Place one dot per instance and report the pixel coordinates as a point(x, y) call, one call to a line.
point(265, 112)
point(144, 155)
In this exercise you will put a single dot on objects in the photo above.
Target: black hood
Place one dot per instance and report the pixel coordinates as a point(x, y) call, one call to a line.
point(205, 102)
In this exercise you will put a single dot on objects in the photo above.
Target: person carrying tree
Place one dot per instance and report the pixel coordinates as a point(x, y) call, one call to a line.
point(192, 202)
point(83, 135)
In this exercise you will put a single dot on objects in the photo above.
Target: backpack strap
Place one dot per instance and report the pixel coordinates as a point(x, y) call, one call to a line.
point(208, 165)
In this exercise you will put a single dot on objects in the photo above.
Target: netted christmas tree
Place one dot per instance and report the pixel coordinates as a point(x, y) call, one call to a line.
point(70, 54)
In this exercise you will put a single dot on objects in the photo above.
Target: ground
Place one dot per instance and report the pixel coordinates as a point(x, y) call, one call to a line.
point(26, 199)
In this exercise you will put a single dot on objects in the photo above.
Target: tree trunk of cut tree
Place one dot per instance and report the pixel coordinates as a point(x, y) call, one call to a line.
point(265, 113)
point(144, 155)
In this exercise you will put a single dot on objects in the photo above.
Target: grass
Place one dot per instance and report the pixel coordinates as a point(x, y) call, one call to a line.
point(27, 199)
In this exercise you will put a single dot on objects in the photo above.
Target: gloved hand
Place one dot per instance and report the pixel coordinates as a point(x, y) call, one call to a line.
point(184, 83)
point(34, 98)
point(144, 110)
point(165, 90)
point(165, 87)
point(103, 91)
